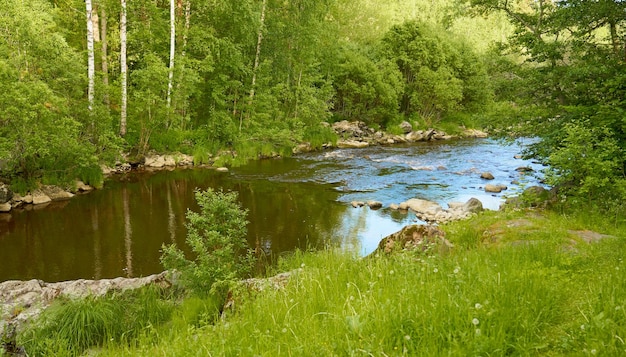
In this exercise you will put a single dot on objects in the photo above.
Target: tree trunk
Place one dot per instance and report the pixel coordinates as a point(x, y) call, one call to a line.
point(90, 55)
point(105, 60)
point(256, 59)
point(172, 51)
point(124, 68)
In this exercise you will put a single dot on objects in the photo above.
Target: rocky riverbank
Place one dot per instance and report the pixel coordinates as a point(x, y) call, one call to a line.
point(354, 134)
point(21, 301)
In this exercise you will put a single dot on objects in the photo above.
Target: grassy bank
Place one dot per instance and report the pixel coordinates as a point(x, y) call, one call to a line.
point(516, 283)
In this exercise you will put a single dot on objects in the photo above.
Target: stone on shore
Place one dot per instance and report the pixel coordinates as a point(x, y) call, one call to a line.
point(352, 144)
point(423, 206)
point(5, 193)
point(414, 237)
point(24, 300)
point(56, 193)
point(40, 198)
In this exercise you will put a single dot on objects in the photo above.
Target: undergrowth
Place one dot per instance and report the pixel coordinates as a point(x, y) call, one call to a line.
point(515, 284)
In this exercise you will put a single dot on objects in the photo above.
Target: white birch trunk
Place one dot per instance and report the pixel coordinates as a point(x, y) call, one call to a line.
point(172, 51)
point(124, 68)
point(256, 58)
point(91, 69)
point(187, 24)
point(105, 59)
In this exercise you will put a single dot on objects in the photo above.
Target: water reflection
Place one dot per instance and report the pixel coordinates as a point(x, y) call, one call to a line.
point(293, 203)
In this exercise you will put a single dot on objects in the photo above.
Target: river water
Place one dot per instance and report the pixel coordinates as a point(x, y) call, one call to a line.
point(301, 202)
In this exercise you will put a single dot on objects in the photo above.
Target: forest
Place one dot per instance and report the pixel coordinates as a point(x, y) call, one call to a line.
point(90, 82)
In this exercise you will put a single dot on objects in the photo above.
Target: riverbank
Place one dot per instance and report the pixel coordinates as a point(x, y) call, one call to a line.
point(350, 135)
point(520, 281)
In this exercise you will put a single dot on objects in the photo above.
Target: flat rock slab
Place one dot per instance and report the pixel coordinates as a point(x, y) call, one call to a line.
point(24, 300)
point(590, 236)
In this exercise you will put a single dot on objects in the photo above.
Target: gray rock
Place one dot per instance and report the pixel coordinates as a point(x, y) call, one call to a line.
point(423, 206)
point(493, 188)
point(486, 176)
point(5, 193)
point(524, 169)
point(30, 298)
point(406, 127)
point(83, 187)
point(374, 204)
point(414, 136)
point(222, 169)
point(414, 237)
point(56, 193)
point(352, 144)
point(473, 205)
point(40, 198)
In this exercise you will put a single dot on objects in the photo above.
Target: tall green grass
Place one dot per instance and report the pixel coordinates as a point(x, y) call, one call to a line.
point(70, 327)
point(530, 292)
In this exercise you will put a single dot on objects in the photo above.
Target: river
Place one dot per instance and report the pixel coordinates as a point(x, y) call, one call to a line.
point(293, 203)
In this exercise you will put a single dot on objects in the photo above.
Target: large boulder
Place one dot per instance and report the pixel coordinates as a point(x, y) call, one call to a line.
point(5, 193)
point(422, 206)
point(534, 196)
point(56, 193)
point(356, 129)
point(493, 188)
point(415, 136)
point(473, 205)
point(352, 144)
point(5, 207)
point(39, 198)
point(23, 300)
point(414, 237)
point(406, 127)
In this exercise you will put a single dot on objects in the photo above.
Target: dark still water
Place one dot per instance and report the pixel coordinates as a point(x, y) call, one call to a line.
point(301, 202)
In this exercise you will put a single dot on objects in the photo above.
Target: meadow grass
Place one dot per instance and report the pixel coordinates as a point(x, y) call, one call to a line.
point(515, 284)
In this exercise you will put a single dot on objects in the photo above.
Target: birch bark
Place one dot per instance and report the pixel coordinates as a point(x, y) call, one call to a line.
point(90, 55)
point(124, 68)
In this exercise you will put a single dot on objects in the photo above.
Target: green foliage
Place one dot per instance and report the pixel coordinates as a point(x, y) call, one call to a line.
point(217, 239)
point(366, 90)
point(70, 327)
point(516, 289)
point(589, 164)
point(319, 136)
point(440, 74)
point(570, 91)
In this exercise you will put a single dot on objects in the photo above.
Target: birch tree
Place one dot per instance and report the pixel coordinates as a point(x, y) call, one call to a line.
point(257, 57)
point(105, 60)
point(124, 68)
point(172, 51)
point(90, 55)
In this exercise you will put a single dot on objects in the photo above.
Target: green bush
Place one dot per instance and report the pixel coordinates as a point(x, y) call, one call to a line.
point(589, 164)
point(217, 239)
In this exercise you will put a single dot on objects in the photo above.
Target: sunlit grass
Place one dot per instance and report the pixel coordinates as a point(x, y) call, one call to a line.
point(531, 291)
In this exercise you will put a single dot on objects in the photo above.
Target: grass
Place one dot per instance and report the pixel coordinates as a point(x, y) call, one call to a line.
point(516, 283)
